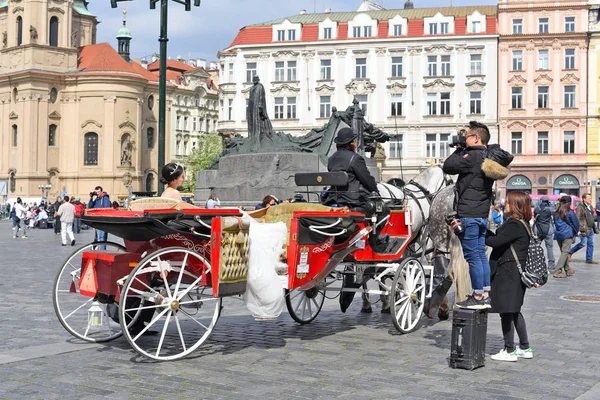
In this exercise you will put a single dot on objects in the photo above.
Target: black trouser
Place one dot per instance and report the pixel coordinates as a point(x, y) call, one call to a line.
point(57, 224)
point(510, 321)
point(386, 211)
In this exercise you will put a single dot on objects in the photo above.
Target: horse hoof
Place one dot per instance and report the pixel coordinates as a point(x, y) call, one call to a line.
point(366, 310)
point(443, 312)
point(385, 310)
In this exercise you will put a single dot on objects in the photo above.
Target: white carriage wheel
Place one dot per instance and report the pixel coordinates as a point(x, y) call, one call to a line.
point(408, 295)
point(71, 307)
point(184, 314)
point(305, 305)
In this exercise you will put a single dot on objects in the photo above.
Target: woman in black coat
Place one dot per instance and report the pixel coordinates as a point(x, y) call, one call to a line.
point(507, 289)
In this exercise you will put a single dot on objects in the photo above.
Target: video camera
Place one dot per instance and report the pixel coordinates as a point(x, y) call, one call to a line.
point(460, 139)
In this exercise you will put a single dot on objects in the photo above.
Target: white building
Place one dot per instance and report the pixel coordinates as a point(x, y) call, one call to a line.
point(418, 74)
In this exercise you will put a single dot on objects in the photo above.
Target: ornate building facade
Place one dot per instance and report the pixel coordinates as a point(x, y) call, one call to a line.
point(593, 121)
point(543, 94)
point(418, 74)
point(73, 113)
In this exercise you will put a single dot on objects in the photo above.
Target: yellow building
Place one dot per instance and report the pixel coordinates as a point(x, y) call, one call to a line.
point(593, 123)
point(73, 113)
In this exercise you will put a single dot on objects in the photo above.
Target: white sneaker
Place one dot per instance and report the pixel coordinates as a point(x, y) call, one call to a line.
point(528, 354)
point(505, 356)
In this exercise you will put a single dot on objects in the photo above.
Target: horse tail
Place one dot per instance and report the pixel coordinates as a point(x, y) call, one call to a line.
point(459, 270)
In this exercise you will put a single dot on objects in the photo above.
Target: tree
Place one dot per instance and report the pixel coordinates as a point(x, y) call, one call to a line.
point(209, 146)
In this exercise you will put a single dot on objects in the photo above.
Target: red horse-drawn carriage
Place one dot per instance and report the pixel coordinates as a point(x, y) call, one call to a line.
point(176, 266)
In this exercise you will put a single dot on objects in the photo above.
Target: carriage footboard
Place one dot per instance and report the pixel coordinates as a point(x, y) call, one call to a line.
point(229, 247)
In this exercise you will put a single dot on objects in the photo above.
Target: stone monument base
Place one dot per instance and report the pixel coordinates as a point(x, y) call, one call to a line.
point(245, 179)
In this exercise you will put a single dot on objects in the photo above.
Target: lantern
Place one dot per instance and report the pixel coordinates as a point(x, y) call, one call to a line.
point(95, 315)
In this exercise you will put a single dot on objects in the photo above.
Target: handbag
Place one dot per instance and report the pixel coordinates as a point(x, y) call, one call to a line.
point(535, 272)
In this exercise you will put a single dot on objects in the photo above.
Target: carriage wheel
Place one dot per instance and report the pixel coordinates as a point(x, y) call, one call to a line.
point(305, 305)
point(408, 295)
point(179, 311)
point(71, 307)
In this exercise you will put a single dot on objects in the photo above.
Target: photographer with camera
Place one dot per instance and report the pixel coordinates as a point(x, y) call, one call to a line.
point(100, 199)
point(476, 172)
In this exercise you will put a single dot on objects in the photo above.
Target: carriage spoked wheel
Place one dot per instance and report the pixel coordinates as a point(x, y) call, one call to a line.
point(408, 295)
point(180, 313)
point(305, 305)
point(72, 307)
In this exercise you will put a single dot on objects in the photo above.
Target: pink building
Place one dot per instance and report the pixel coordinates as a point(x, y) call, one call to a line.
point(542, 85)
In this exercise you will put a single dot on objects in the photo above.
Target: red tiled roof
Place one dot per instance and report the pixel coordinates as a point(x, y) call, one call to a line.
point(310, 33)
point(415, 27)
point(342, 31)
point(383, 29)
point(460, 25)
point(254, 35)
point(103, 59)
point(172, 65)
point(491, 25)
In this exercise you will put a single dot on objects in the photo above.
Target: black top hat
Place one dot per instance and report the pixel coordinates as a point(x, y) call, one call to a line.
point(345, 136)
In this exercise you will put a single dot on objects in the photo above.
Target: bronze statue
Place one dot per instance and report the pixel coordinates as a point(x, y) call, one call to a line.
point(260, 129)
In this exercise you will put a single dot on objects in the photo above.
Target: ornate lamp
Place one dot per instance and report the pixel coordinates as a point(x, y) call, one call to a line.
point(95, 315)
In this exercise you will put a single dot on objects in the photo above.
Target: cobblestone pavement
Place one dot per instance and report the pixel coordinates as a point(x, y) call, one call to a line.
point(345, 356)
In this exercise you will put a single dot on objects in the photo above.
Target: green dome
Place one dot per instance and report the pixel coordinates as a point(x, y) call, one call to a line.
point(124, 33)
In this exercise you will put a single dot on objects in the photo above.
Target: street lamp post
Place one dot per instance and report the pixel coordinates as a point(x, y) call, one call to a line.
point(162, 80)
point(45, 188)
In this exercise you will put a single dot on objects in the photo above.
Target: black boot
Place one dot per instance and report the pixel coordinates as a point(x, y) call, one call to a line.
point(437, 296)
point(347, 297)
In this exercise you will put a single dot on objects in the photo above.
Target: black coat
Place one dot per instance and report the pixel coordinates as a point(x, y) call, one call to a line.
point(360, 181)
point(477, 197)
point(507, 289)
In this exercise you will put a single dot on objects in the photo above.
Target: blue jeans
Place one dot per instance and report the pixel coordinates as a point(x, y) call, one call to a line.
point(473, 244)
point(585, 240)
point(101, 236)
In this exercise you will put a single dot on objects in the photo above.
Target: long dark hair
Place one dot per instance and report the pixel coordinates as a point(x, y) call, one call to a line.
point(170, 172)
point(520, 205)
point(563, 210)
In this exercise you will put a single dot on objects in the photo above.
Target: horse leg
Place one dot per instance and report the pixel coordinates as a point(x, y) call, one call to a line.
point(444, 311)
point(366, 306)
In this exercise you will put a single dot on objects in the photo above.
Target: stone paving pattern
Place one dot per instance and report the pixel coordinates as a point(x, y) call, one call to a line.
point(338, 356)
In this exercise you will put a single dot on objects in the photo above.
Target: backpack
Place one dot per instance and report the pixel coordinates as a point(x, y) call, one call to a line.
point(535, 273)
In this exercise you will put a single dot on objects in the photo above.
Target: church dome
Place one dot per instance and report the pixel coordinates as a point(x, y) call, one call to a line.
point(409, 5)
point(124, 33)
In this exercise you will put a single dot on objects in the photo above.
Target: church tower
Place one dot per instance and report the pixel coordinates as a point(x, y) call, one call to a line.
point(124, 37)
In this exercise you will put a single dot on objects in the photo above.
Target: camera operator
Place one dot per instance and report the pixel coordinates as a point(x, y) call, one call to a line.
point(100, 199)
point(473, 198)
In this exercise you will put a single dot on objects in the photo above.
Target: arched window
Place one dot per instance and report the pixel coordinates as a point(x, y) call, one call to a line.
point(52, 135)
point(15, 135)
point(53, 32)
point(197, 100)
point(12, 182)
point(19, 30)
point(150, 137)
point(149, 182)
point(90, 149)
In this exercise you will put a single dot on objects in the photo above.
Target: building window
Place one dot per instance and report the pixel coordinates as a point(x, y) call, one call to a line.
point(291, 70)
point(444, 28)
point(53, 37)
point(12, 182)
point(445, 65)
point(250, 71)
point(543, 25)
point(475, 64)
point(431, 103)
point(517, 60)
point(149, 182)
point(280, 107)
point(396, 146)
point(433, 29)
point(569, 97)
point(325, 107)
point(368, 31)
point(326, 70)
point(569, 24)
point(194, 124)
point(19, 30)
point(185, 124)
point(15, 135)
point(178, 123)
point(396, 67)
point(476, 27)
point(326, 33)
point(543, 60)
point(291, 108)
point(185, 148)
point(230, 76)
point(444, 145)
point(432, 65)
point(517, 26)
point(356, 31)
point(230, 109)
point(475, 103)
point(52, 135)
point(150, 137)
point(362, 103)
point(516, 142)
point(569, 142)
point(292, 34)
point(90, 149)
point(569, 58)
point(361, 67)
point(444, 103)
point(430, 145)
point(397, 30)
point(396, 105)
point(543, 97)
point(178, 147)
point(279, 71)
point(516, 98)
point(542, 143)
point(280, 35)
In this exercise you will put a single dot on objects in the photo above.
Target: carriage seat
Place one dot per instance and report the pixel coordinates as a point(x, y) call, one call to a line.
point(162, 203)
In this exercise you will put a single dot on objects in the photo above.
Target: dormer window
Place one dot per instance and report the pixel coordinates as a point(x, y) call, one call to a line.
point(433, 29)
point(286, 31)
point(280, 35)
point(476, 27)
point(327, 33)
point(397, 30)
point(444, 28)
point(291, 34)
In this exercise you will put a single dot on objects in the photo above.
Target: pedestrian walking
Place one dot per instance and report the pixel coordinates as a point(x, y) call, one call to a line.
point(587, 229)
point(598, 213)
point(20, 213)
point(56, 205)
point(566, 226)
point(544, 228)
point(508, 291)
point(79, 209)
point(66, 212)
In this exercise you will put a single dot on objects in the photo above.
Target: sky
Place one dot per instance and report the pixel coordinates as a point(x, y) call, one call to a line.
point(202, 32)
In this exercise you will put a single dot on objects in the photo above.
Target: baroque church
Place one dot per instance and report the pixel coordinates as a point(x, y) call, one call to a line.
point(73, 114)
